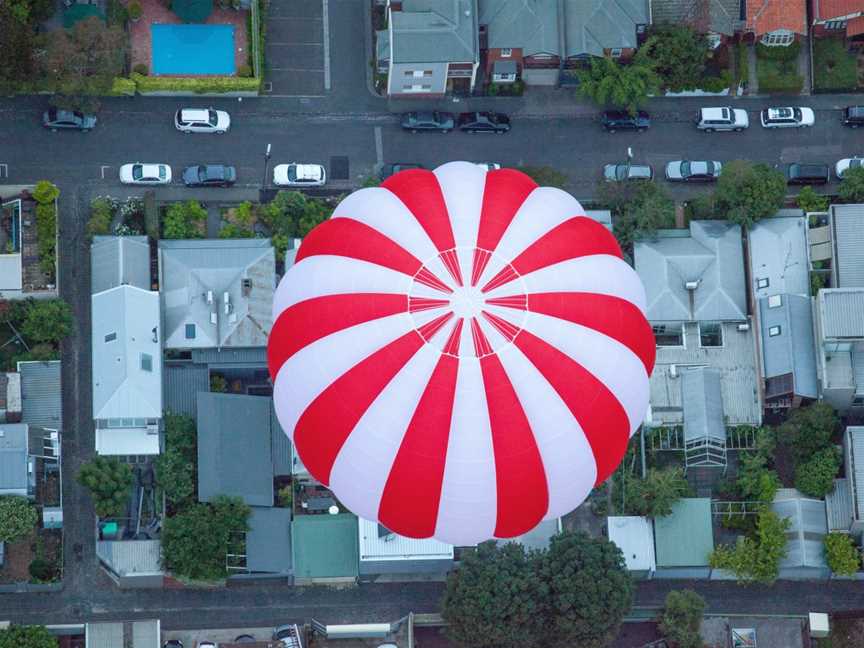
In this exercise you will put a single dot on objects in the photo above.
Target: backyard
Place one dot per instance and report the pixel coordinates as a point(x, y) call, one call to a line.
point(835, 68)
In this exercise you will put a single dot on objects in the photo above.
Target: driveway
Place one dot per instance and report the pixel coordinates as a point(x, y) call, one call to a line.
point(294, 48)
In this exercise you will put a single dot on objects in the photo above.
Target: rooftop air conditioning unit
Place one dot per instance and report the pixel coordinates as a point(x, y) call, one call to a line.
point(692, 285)
point(673, 371)
point(743, 327)
point(213, 319)
point(209, 296)
point(775, 301)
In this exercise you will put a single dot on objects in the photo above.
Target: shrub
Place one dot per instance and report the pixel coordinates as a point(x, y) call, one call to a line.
point(176, 468)
point(810, 201)
point(214, 85)
point(18, 517)
point(141, 68)
point(182, 219)
point(755, 481)
point(789, 53)
point(718, 83)
point(755, 558)
point(47, 320)
point(244, 71)
point(109, 482)
point(42, 570)
point(122, 86)
point(46, 234)
point(815, 477)
point(681, 620)
point(218, 383)
point(841, 553)
point(101, 214)
point(809, 430)
point(655, 495)
point(852, 186)
point(45, 192)
point(134, 11)
point(20, 636)
point(545, 176)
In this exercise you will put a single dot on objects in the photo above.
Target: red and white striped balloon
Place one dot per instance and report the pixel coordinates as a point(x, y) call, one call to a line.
point(460, 353)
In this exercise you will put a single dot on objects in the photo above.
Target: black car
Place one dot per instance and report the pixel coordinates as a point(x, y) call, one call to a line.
point(484, 122)
point(391, 169)
point(853, 116)
point(615, 120)
point(55, 120)
point(442, 122)
point(209, 175)
point(803, 173)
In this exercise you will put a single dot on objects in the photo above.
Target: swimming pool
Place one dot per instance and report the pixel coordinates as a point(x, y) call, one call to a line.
point(192, 49)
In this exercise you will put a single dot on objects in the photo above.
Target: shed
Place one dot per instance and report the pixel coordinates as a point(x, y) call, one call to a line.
point(805, 554)
point(634, 535)
point(325, 548)
point(41, 402)
point(117, 634)
point(268, 541)
point(384, 552)
point(15, 474)
point(132, 563)
point(685, 538)
point(540, 536)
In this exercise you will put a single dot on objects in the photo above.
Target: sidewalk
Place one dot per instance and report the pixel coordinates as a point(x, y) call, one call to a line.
point(753, 82)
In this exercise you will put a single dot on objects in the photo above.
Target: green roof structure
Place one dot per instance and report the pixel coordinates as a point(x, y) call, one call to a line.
point(192, 11)
point(325, 546)
point(686, 537)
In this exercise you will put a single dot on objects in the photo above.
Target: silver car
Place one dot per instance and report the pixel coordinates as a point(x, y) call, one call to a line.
point(627, 171)
point(693, 171)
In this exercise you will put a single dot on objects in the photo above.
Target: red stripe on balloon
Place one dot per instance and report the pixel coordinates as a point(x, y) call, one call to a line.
point(412, 492)
point(504, 327)
point(612, 316)
point(522, 492)
point(312, 319)
point(481, 343)
point(417, 304)
point(429, 329)
point(452, 345)
point(505, 191)
point(601, 416)
point(419, 191)
point(328, 421)
point(577, 237)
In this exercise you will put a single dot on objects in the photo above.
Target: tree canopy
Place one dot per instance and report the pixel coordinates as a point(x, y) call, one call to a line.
point(655, 495)
point(176, 467)
point(47, 321)
point(18, 517)
point(852, 186)
point(609, 83)
point(109, 482)
point(815, 477)
point(756, 557)
point(809, 429)
point(183, 219)
point(638, 210)
point(747, 192)
point(192, 11)
point(677, 54)
point(18, 636)
point(681, 619)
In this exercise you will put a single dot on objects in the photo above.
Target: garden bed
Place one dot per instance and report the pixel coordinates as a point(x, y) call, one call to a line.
point(45, 543)
point(834, 67)
point(777, 69)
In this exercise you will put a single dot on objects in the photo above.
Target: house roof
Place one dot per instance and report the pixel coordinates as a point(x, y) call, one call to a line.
point(378, 543)
point(325, 546)
point(718, 16)
point(779, 254)
point(41, 401)
point(841, 312)
point(832, 9)
point(116, 634)
point(686, 537)
point(838, 506)
point(711, 255)
point(123, 387)
point(702, 401)
point(104, 635)
point(183, 381)
point(793, 350)
point(268, 541)
point(634, 536)
point(435, 31)
point(13, 458)
point(191, 272)
point(118, 260)
point(594, 25)
point(808, 526)
point(847, 230)
point(234, 452)
point(855, 468)
point(765, 16)
point(529, 24)
point(131, 557)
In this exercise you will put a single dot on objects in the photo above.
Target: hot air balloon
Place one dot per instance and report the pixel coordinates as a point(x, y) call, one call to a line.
point(460, 354)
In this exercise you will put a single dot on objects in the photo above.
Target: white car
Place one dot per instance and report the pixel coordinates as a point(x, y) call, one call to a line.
point(787, 117)
point(843, 165)
point(140, 173)
point(299, 175)
point(725, 118)
point(202, 120)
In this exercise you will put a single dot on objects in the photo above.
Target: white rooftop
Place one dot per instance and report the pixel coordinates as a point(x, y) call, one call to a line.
point(378, 544)
point(635, 537)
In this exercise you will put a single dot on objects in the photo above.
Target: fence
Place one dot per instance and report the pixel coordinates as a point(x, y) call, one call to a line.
point(257, 72)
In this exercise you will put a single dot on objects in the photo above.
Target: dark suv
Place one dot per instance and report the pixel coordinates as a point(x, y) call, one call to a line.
point(442, 122)
point(614, 120)
point(853, 116)
point(806, 174)
point(484, 122)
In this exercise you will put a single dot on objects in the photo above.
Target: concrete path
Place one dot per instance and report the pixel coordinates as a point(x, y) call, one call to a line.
point(804, 66)
point(753, 83)
point(214, 220)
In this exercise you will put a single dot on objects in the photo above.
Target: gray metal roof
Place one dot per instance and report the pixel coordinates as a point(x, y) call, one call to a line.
point(711, 256)
point(191, 272)
point(118, 260)
point(382, 45)
point(529, 24)
point(145, 634)
point(268, 541)
point(808, 526)
point(181, 384)
point(855, 468)
point(131, 557)
point(847, 228)
point(838, 506)
point(793, 350)
point(252, 356)
point(280, 445)
point(594, 25)
point(841, 312)
point(104, 635)
point(719, 16)
point(702, 401)
point(435, 31)
point(41, 401)
point(234, 448)
point(778, 254)
point(116, 634)
point(13, 459)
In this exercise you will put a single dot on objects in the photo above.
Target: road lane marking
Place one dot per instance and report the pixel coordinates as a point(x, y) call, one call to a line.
point(325, 18)
point(103, 167)
point(379, 146)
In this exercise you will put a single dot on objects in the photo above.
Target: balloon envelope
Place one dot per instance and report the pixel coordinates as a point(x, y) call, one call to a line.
point(460, 354)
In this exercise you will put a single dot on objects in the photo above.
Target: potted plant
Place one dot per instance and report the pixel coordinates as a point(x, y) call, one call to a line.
point(134, 10)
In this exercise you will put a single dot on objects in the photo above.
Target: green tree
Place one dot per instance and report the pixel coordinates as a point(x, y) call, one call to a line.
point(18, 517)
point(655, 495)
point(815, 477)
point(176, 468)
point(756, 482)
point(17, 44)
point(314, 213)
point(183, 219)
point(20, 636)
point(196, 540)
point(609, 83)
point(45, 192)
point(747, 192)
point(809, 430)
point(756, 558)
point(47, 320)
point(852, 186)
point(638, 209)
point(545, 176)
point(842, 554)
point(101, 214)
point(681, 619)
point(677, 54)
point(109, 482)
point(810, 201)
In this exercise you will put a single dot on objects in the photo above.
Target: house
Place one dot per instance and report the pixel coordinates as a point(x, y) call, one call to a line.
point(432, 47)
point(22, 272)
point(41, 396)
point(325, 549)
point(119, 261)
point(840, 347)
point(684, 539)
point(634, 536)
point(383, 552)
point(846, 227)
point(604, 27)
point(719, 19)
point(17, 466)
point(132, 564)
point(780, 284)
point(112, 634)
point(839, 18)
point(776, 23)
point(805, 552)
point(216, 293)
point(853, 450)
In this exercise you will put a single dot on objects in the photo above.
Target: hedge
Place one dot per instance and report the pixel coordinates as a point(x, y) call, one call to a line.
point(122, 87)
point(197, 85)
point(779, 52)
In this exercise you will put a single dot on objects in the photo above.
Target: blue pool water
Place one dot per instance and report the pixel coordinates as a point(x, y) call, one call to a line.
point(192, 49)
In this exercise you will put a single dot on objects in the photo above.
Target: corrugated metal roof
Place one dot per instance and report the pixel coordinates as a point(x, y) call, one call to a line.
point(256, 356)
point(378, 543)
point(793, 349)
point(842, 312)
point(234, 448)
point(325, 546)
point(808, 526)
point(42, 403)
point(131, 557)
point(847, 226)
point(529, 24)
point(778, 255)
point(119, 260)
point(145, 634)
point(838, 506)
point(858, 370)
point(634, 536)
point(13, 459)
point(702, 403)
point(686, 537)
point(268, 541)
point(280, 446)
point(855, 468)
point(104, 635)
point(182, 382)
point(434, 31)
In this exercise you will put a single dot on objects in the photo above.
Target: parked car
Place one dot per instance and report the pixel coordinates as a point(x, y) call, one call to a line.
point(845, 164)
point(209, 175)
point(693, 171)
point(627, 171)
point(853, 116)
point(489, 166)
point(140, 173)
point(55, 120)
point(390, 169)
point(299, 175)
point(787, 117)
point(615, 120)
point(245, 638)
point(202, 120)
point(484, 122)
point(722, 119)
point(173, 643)
point(434, 120)
point(206, 644)
point(805, 173)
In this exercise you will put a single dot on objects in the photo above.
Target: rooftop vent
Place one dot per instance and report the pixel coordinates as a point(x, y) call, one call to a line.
point(691, 285)
point(247, 286)
point(775, 301)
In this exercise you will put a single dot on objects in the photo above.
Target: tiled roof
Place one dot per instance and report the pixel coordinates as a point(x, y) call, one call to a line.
point(828, 9)
point(764, 16)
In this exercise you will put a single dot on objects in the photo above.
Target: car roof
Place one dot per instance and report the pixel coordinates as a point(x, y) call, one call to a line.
point(715, 113)
point(148, 169)
point(195, 114)
point(779, 113)
point(813, 168)
point(640, 171)
point(308, 171)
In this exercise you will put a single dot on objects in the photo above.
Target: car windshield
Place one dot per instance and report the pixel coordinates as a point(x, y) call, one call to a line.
point(212, 117)
point(52, 114)
point(797, 114)
point(854, 163)
point(685, 169)
point(162, 174)
point(292, 173)
point(137, 171)
point(621, 172)
point(202, 173)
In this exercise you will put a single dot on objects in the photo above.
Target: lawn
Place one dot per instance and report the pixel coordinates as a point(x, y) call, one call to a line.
point(778, 76)
point(834, 68)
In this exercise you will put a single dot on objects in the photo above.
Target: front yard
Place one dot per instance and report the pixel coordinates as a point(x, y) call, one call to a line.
point(834, 67)
point(777, 69)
